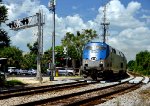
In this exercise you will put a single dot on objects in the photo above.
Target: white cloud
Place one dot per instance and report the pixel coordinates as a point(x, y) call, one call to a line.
point(132, 34)
point(130, 41)
point(127, 33)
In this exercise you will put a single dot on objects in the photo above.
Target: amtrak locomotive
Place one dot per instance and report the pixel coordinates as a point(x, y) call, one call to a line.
point(102, 60)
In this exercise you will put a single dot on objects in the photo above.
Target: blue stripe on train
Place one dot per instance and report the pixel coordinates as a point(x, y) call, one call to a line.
point(89, 53)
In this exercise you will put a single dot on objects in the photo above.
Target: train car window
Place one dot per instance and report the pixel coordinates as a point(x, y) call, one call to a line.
point(121, 65)
point(114, 51)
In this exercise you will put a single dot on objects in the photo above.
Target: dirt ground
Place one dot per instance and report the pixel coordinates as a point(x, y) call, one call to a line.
point(46, 80)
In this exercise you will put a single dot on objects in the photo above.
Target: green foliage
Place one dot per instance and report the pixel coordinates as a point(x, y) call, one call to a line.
point(4, 39)
point(13, 83)
point(13, 54)
point(131, 65)
point(75, 43)
point(29, 61)
point(59, 55)
point(47, 57)
point(142, 63)
point(33, 48)
point(3, 14)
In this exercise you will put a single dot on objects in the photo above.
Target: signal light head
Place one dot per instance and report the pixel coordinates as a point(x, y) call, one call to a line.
point(25, 21)
point(12, 24)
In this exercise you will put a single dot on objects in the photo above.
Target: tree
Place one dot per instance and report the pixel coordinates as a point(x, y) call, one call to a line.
point(47, 57)
point(75, 43)
point(142, 62)
point(14, 56)
point(3, 14)
point(131, 65)
point(4, 39)
point(33, 48)
point(29, 61)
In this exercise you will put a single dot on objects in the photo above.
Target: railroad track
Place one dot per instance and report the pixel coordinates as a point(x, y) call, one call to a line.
point(41, 89)
point(82, 97)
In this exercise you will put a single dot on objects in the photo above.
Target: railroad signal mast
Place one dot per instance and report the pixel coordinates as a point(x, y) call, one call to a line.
point(52, 7)
point(28, 22)
point(105, 25)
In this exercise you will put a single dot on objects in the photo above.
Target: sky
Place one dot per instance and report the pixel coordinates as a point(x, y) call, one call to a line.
point(129, 29)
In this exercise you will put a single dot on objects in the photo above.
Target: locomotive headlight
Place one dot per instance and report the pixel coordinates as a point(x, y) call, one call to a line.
point(85, 61)
point(101, 61)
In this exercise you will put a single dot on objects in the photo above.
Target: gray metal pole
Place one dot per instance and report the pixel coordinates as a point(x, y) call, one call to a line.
point(53, 42)
point(39, 76)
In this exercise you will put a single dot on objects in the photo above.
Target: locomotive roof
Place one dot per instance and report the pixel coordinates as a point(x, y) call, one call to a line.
point(97, 42)
point(112, 48)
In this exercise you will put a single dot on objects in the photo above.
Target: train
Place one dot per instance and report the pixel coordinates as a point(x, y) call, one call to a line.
point(101, 60)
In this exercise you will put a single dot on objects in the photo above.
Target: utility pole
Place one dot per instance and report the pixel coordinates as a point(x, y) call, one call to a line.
point(51, 5)
point(28, 22)
point(104, 25)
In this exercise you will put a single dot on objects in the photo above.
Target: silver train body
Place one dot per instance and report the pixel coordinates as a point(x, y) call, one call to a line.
point(102, 60)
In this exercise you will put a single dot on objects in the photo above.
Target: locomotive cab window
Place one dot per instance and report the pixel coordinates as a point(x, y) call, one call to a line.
point(88, 48)
point(95, 48)
point(102, 47)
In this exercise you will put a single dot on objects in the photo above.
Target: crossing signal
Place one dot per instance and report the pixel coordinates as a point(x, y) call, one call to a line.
point(12, 24)
point(25, 21)
point(16, 24)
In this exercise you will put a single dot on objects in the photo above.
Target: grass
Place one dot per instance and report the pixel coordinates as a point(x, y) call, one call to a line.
point(13, 83)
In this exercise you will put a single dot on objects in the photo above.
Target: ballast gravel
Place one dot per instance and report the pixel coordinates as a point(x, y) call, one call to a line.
point(24, 99)
point(130, 99)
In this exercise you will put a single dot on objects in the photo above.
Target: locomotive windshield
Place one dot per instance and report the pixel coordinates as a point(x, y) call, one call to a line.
point(95, 48)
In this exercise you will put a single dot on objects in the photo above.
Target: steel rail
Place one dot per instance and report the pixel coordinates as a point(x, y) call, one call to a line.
point(64, 97)
point(41, 89)
point(88, 100)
